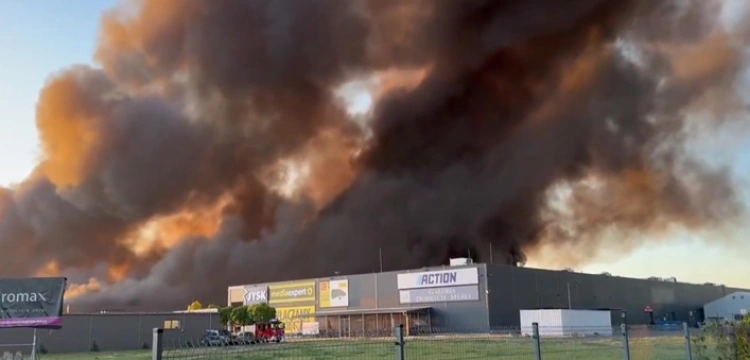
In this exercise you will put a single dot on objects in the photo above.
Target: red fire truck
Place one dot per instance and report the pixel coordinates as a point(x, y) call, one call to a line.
point(272, 331)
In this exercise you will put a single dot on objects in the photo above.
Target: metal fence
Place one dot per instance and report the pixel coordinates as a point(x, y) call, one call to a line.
point(519, 343)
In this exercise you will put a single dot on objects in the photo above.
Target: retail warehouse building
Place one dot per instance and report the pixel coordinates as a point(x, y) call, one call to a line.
point(472, 297)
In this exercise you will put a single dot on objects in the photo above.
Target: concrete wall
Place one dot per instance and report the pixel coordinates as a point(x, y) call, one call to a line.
point(513, 289)
point(111, 332)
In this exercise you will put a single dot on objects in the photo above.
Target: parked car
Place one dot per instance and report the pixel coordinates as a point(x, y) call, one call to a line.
point(245, 338)
point(213, 337)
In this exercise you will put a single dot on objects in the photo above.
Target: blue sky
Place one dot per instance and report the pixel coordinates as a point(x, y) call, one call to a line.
point(39, 37)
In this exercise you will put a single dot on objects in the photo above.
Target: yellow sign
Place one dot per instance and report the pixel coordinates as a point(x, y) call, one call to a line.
point(292, 293)
point(293, 317)
point(334, 293)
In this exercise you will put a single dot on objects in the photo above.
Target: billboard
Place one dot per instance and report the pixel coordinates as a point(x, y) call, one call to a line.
point(292, 293)
point(294, 317)
point(438, 278)
point(32, 302)
point(436, 295)
point(334, 293)
point(255, 295)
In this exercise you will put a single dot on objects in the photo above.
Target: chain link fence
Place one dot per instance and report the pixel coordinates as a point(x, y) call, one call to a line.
point(715, 342)
point(537, 343)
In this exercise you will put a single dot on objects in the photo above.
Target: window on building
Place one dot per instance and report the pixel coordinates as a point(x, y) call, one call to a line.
point(171, 324)
point(739, 317)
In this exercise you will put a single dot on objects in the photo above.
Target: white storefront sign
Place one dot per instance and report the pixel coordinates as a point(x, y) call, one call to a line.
point(438, 278)
point(438, 295)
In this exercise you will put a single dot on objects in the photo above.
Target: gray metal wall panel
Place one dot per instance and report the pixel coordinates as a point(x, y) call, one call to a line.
point(362, 292)
point(388, 291)
point(380, 291)
point(513, 289)
point(728, 306)
point(469, 315)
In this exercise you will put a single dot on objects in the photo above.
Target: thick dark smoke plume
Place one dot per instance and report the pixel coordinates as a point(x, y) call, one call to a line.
point(181, 131)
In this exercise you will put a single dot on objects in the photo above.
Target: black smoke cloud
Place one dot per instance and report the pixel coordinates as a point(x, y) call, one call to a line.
point(195, 100)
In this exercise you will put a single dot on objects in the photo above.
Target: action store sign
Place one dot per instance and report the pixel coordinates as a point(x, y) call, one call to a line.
point(440, 278)
point(438, 295)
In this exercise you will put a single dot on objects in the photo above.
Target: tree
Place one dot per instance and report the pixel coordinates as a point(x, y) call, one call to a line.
point(261, 313)
point(225, 315)
point(241, 316)
point(195, 305)
point(728, 340)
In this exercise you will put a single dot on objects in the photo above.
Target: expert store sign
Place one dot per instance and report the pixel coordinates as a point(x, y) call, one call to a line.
point(292, 293)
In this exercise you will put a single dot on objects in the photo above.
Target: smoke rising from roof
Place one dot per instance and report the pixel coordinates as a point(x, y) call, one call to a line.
point(513, 123)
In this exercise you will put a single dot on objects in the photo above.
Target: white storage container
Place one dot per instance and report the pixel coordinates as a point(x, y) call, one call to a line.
point(565, 322)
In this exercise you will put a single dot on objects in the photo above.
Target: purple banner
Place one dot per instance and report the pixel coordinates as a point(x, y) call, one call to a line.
point(48, 322)
point(32, 302)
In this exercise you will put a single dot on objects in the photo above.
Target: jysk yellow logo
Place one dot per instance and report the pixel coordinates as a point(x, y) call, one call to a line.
point(292, 293)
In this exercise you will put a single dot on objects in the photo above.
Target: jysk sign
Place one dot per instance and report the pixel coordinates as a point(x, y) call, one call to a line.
point(32, 302)
point(437, 295)
point(292, 293)
point(440, 278)
point(256, 295)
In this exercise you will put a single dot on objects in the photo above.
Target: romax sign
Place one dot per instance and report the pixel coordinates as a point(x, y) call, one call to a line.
point(439, 278)
point(32, 302)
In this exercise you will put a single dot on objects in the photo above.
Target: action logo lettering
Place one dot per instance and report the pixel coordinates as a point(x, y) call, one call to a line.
point(444, 278)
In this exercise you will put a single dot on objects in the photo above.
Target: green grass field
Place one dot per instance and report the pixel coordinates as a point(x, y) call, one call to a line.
point(659, 348)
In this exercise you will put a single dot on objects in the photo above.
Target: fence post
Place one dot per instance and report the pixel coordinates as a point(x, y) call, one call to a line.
point(536, 341)
point(625, 340)
point(158, 344)
point(688, 345)
point(400, 351)
point(34, 347)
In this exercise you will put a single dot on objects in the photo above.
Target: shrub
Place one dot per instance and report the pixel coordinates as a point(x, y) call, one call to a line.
point(727, 340)
point(42, 349)
point(94, 346)
point(144, 346)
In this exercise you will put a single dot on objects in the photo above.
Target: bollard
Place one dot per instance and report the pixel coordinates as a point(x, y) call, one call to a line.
point(625, 340)
point(536, 341)
point(158, 344)
point(400, 343)
point(688, 345)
